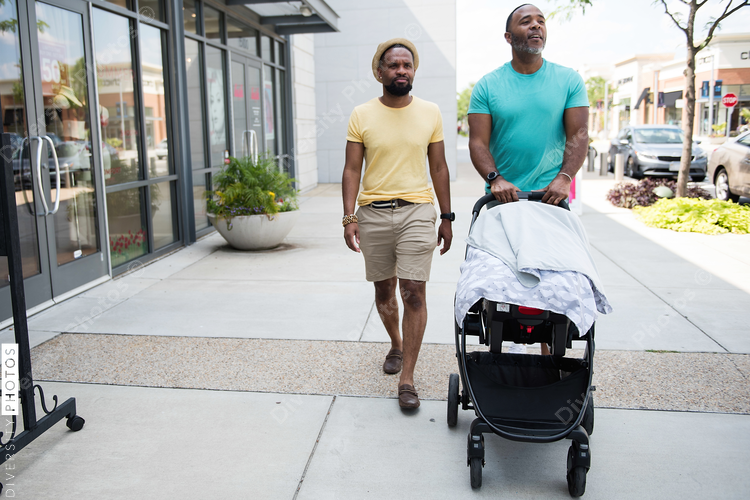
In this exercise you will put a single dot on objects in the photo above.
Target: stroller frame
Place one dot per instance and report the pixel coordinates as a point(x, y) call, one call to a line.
point(494, 322)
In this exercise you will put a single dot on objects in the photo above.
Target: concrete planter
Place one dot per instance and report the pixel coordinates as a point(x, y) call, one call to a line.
point(255, 232)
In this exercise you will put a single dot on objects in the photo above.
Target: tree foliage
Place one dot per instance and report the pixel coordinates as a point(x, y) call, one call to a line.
point(463, 99)
point(595, 90)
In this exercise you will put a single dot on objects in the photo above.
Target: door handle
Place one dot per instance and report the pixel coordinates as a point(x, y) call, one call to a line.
point(254, 151)
point(29, 206)
point(57, 172)
point(56, 207)
point(39, 173)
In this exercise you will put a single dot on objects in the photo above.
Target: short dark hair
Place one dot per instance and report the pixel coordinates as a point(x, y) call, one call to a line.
point(395, 46)
point(507, 23)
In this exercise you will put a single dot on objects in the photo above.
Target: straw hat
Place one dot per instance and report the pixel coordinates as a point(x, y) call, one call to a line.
point(387, 45)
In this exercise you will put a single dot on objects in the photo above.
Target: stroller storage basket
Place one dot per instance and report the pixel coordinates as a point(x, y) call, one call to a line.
point(527, 387)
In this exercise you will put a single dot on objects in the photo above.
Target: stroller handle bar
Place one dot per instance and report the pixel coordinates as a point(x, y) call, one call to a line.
point(522, 195)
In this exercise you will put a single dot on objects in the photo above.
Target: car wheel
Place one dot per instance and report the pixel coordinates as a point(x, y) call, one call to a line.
point(722, 187)
point(611, 160)
point(631, 169)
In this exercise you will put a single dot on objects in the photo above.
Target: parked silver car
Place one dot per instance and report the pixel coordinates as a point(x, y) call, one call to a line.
point(729, 168)
point(655, 150)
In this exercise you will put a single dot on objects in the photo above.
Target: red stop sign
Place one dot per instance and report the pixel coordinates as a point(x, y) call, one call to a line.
point(729, 100)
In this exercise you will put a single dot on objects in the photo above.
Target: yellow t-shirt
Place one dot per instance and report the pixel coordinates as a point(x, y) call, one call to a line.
point(395, 141)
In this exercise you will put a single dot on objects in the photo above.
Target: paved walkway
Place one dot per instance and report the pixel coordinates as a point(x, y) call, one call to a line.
point(214, 373)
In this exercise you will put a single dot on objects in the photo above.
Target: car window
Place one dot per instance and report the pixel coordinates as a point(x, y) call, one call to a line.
point(745, 140)
point(659, 136)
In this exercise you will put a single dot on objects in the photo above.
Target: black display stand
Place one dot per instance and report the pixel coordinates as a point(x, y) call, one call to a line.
point(10, 246)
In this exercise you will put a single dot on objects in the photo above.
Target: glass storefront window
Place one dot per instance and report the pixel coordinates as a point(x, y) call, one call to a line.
point(269, 109)
point(279, 53)
point(196, 125)
point(162, 215)
point(199, 201)
point(66, 110)
point(280, 110)
point(151, 9)
point(242, 36)
point(125, 4)
point(154, 101)
point(120, 122)
point(265, 48)
point(190, 13)
point(127, 228)
point(212, 23)
point(12, 102)
point(217, 124)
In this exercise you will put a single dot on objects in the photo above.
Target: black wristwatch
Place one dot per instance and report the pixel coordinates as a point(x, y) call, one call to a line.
point(492, 176)
point(451, 216)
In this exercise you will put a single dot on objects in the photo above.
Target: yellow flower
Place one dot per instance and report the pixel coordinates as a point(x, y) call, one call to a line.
point(272, 194)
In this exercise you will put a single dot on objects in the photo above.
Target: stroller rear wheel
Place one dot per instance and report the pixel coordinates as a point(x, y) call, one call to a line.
point(577, 481)
point(475, 466)
point(453, 400)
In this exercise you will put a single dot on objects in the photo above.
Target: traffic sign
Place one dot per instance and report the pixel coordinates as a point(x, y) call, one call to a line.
point(729, 100)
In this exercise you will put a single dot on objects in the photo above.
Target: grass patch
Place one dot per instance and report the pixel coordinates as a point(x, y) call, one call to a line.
point(696, 216)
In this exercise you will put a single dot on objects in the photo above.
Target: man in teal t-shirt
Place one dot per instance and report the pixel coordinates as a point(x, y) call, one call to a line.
point(528, 119)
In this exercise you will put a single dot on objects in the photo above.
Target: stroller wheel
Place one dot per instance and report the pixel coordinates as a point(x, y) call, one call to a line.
point(576, 475)
point(576, 481)
point(452, 400)
point(475, 467)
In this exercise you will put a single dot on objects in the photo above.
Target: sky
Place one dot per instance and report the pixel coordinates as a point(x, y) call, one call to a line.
point(610, 31)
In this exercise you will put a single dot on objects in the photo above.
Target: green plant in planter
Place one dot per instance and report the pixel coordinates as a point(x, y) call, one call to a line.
point(245, 187)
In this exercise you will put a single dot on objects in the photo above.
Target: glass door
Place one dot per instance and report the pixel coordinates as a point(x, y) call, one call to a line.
point(248, 117)
point(48, 108)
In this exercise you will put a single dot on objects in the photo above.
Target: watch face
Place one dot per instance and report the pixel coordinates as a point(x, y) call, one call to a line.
point(491, 176)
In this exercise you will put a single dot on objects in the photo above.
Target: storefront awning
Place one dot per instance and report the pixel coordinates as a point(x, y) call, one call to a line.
point(288, 18)
point(670, 98)
point(643, 96)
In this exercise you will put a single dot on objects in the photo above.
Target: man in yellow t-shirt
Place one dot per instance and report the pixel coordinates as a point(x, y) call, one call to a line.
point(394, 226)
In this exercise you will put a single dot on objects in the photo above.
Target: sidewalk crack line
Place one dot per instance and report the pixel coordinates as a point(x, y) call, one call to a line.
point(315, 447)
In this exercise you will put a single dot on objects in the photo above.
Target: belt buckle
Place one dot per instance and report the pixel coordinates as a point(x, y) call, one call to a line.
point(394, 204)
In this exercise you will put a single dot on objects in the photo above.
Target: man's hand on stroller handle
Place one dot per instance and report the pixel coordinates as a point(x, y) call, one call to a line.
point(557, 191)
point(503, 190)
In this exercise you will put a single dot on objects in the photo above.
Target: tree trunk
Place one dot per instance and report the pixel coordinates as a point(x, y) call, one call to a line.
point(689, 117)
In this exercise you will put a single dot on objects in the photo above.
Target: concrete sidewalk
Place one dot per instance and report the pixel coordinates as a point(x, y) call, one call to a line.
point(214, 373)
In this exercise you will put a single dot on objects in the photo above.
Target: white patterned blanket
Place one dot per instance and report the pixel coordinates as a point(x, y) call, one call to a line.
point(564, 292)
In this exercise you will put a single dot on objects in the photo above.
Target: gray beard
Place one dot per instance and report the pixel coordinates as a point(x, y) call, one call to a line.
point(522, 45)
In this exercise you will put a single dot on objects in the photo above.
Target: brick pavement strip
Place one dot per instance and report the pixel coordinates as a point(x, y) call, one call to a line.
point(709, 382)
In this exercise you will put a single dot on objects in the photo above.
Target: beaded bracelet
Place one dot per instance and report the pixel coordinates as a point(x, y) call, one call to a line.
point(348, 219)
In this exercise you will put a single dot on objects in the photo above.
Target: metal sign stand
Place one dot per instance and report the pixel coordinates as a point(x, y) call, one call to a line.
point(10, 246)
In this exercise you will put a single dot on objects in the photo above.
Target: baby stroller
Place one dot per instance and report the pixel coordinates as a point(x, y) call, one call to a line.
point(523, 397)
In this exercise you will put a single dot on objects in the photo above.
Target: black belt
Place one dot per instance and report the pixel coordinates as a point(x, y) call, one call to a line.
point(391, 203)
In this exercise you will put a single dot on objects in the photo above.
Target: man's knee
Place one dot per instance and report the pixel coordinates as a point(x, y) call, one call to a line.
point(413, 293)
point(385, 290)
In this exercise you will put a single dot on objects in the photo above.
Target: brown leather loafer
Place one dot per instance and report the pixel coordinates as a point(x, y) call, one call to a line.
point(393, 361)
point(407, 397)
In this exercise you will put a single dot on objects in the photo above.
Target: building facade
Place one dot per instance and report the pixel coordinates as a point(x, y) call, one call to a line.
point(650, 88)
point(120, 111)
point(343, 73)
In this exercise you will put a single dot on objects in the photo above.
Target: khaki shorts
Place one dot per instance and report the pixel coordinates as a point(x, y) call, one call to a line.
point(397, 242)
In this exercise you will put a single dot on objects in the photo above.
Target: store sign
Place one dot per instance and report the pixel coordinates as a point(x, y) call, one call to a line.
point(52, 57)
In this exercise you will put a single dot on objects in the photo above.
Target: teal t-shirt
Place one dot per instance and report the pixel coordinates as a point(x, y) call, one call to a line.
point(528, 136)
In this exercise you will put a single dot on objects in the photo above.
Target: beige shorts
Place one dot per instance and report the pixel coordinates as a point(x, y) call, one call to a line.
point(397, 242)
